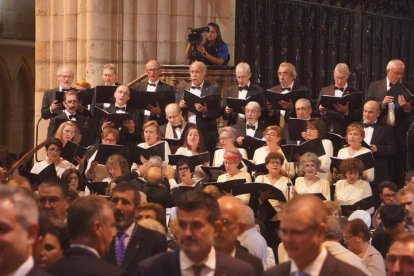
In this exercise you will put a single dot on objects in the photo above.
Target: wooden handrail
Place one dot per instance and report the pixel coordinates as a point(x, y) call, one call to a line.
point(140, 78)
point(26, 157)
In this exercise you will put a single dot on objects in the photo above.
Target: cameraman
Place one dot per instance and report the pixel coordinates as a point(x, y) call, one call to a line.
point(213, 50)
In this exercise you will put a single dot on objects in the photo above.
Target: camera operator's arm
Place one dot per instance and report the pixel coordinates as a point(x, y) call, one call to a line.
point(188, 51)
point(211, 58)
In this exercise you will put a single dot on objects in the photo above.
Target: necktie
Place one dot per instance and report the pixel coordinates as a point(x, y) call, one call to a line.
point(243, 88)
point(251, 127)
point(365, 125)
point(72, 116)
point(286, 88)
point(120, 108)
point(196, 87)
point(337, 88)
point(152, 84)
point(120, 247)
point(197, 269)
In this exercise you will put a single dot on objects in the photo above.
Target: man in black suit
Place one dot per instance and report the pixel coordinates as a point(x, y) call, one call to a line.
point(130, 132)
point(226, 240)
point(198, 216)
point(205, 117)
point(380, 137)
point(132, 243)
point(50, 107)
point(251, 125)
point(243, 90)
point(394, 112)
point(109, 75)
point(154, 84)
point(287, 84)
point(302, 231)
point(19, 222)
point(338, 119)
point(91, 229)
point(71, 104)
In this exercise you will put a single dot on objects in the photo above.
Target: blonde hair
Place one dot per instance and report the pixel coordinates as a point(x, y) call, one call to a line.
point(59, 132)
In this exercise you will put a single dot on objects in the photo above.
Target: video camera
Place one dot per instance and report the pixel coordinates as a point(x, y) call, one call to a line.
point(195, 37)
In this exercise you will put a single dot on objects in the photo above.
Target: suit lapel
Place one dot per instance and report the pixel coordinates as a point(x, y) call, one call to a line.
point(133, 247)
point(205, 89)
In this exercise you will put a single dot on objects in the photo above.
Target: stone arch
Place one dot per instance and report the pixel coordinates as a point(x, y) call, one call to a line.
point(5, 88)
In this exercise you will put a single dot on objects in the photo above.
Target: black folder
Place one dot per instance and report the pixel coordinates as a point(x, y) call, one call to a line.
point(36, 179)
point(105, 94)
point(104, 151)
point(86, 96)
point(400, 89)
point(193, 161)
point(258, 168)
point(255, 188)
point(174, 142)
point(213, 172)
point(238, 104)
point(251, 144)
point(141, 99)
point(363, 204)
point(296, 127)
point(338, 141)
point(274, 97)
point(291, 151)
point(355, 101)
point(366, 158)
point(116, 118)
point(59, 97)
point(156, 150)
point(212, 101)
point(88, 129)
point(228, 186)
point(71, 150)
point(97, 187)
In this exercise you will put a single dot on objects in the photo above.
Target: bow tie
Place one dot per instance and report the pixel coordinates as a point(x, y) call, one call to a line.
point(72, 116)
point(251, 127)
point(391, 84)
point(152, 84)
point(365, 125)
point(66, 89)
point(243, 88)
point(286, 88)
point(175, 127)
point(120, 108)
point(337, 88)
point(196, 87)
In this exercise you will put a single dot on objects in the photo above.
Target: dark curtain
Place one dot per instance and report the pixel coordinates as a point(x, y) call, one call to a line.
point(316, 35)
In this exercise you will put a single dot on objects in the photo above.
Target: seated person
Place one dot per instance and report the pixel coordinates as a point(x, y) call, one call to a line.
point(68, 131)
point(352, 189)
point(387, 192)
point(176, 125)
point(227, 138)
point(310, 183)
point(53, 148)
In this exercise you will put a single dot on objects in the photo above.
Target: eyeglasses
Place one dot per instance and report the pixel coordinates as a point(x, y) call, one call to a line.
point(271, 134)
point(53, 200)
point(53, 150)
point(275, 163)
point(183, 169)
point(152, 69)
point(295, 232)
point(346, 238)
point(405, 261)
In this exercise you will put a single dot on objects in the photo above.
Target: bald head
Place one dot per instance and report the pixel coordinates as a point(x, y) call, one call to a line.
point(371, 112)
point(309, 206)
point(231, 203)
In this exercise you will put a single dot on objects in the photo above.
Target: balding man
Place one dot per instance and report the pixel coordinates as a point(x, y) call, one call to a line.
point(231, 209)
point(243, 90)
point(154, 84)
point(339, 118)
point(205, 119)
point(303, 230)
point(19, 224)
point(50, 106)
point(380, 137)
point(394, 112)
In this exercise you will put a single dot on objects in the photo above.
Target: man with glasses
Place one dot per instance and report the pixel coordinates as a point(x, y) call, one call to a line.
point(302, 231)
point(53, 199)
point(400, 257)
point(387, 191)
point(132, 243)
point(226, 240)
point(154, 84)
point(50, 106)
point(198, 217)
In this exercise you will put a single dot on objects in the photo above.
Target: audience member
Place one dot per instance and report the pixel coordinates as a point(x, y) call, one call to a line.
point(405, 197)
point(53, 245)
point(400, 257)
point(387, 191)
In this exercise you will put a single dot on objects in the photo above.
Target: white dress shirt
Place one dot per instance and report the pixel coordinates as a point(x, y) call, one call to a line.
point(186, 264)
point(313, 269)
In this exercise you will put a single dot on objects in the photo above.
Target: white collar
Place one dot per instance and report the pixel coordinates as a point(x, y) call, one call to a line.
point(122, 106)
point(130, 229)
point(155, 82)
point(210, 262)
point(201, 85)
point(90, 249)
point(313, 268)
point(24, 268)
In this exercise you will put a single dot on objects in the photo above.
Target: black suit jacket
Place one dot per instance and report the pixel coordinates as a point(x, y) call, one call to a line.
point(169, 264)
point(241, 128)
point(37, 271)
point(337, 122)
point(162, 86)
point(233, 91)
point(143, 244)
point(80, 261)
point(331, 266)
point(255, 262)
point(207, 124)
point(383, 138)
point(48, 97)
point(53, 123)
point(124, 136)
